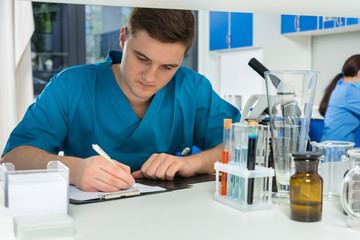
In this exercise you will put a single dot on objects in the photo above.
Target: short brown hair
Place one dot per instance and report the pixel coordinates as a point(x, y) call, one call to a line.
point(164, 25)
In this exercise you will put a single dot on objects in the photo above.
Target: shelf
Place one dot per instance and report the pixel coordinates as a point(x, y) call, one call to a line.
point(336, 30)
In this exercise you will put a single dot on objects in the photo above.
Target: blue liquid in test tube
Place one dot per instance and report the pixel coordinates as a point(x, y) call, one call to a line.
point(243, 162)
point(235, 184)
point(240, 160)
point(230, 180)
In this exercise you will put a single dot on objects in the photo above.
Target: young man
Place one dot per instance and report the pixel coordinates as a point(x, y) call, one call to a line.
point(140, 106)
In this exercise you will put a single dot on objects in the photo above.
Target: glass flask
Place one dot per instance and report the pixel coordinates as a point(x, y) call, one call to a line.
point(350, 189)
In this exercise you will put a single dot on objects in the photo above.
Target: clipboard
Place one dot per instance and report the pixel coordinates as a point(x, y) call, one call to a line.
point(120, 194)
point(78, 196)
point(178, 182)
point(157, 186)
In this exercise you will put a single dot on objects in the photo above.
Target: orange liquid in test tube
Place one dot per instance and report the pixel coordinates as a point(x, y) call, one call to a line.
point(225, 154)
point(225, 160)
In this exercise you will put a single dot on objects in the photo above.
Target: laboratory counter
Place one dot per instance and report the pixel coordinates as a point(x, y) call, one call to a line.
point(192, 213)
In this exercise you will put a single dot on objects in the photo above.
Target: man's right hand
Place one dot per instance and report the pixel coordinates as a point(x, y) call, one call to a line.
point(91, 174)
point(99, 174)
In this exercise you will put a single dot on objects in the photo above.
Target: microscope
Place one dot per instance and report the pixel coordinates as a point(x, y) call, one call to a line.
point(258, 105)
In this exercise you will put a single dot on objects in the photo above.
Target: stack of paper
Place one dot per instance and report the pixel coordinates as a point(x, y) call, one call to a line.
point(31, 194)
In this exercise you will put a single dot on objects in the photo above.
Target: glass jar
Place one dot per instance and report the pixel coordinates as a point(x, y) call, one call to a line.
point(350, 189)
point(306, 188)
point(332, 165)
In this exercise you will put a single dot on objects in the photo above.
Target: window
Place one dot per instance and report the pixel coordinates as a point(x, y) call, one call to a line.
point(67, 35)
point(103, 26)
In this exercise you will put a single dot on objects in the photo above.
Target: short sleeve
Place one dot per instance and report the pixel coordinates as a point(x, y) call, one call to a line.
point(211, 110)
point(44, 124)
point(353, 100)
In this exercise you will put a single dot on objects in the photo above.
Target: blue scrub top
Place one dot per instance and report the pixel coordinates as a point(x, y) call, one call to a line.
point(84, 105)
point(342, 117)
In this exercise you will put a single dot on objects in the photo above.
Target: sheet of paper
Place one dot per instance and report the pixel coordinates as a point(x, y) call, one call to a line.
point(77, 194)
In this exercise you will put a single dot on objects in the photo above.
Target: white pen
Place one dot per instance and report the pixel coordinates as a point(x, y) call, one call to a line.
point(185, 151)
point(102, 153)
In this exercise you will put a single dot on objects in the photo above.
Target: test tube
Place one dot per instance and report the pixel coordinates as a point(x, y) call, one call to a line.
point(241, 149)
point(262, 154)
point(253, 134)
point(225, 153)
point(234, 180)
point(231, 177)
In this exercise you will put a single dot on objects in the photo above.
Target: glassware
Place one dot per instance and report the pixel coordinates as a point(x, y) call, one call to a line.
point(248, 187)
point(225, 153)
point(306, 188)
point(350, 189)
point(332, 165)
point(239, 151)
point(251, 157)
point(291, 94)
point(238, 157)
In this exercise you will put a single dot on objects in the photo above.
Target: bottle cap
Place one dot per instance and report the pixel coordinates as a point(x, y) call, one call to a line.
point(253, 123)
point(227, 123)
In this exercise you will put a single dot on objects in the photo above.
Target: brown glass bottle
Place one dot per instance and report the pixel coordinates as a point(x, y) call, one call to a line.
point(306, 188)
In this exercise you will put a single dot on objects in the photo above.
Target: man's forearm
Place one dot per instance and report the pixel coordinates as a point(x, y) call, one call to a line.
point(28, 157)
point(205, 160)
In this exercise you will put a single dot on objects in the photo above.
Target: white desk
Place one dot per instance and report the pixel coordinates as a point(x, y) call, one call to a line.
point(193, 214)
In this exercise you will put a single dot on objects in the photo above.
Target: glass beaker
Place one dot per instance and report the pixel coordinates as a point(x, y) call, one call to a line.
point(332, 165)
point(354, 157)
point(292, 94)
point(350, 189)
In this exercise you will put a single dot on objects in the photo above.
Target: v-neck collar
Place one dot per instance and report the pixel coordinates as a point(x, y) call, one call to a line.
point(126, 111)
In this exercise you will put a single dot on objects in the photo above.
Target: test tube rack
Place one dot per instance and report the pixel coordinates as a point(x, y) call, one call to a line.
point(262, 175)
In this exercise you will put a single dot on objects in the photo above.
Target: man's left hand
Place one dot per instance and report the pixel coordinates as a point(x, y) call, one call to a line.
point(164, 166)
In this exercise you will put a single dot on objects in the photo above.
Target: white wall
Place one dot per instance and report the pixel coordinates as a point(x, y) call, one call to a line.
point(280, 52)
point(236, 77)
point(329, 53)
point(208, 62)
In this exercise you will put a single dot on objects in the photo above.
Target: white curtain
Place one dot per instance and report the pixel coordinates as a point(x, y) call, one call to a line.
point(16, 87)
